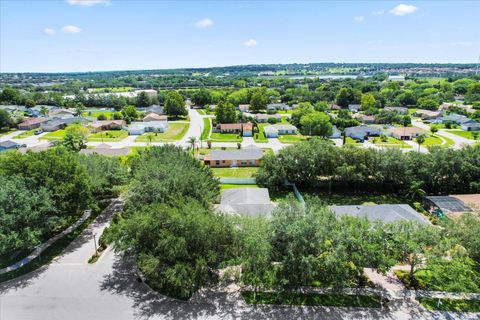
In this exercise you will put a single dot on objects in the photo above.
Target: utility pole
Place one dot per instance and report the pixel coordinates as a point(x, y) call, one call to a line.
point(94, 242)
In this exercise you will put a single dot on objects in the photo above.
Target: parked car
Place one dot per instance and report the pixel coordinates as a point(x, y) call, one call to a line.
point(39, 131)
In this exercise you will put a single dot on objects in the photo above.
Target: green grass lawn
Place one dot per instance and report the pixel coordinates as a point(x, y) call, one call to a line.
point(175, 131)
point(109, 135)
point(225, 137)
point(352, 142)
point(424, 281)
point(111, 89)
point(95, 114)
point(456, 305)
point(260, 136)
point(242, 172)
point(25, 134)
point(412, 110)
point(463, 134)
point(233, 186)
point(54, 135)
point(207, 124)
point(284, 111)
point(354, 199)
point(3, 133)
point(292, 138)
point(390, 143)
point(201, 111)
point(436, 140)
point(311, 299)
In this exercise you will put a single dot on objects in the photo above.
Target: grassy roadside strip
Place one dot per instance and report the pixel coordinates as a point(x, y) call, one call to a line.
point(206, 128)
point(312, 299)
point(53, 251)
point(456, 305)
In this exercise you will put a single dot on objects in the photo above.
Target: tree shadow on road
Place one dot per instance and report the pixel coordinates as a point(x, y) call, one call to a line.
point(213, 303)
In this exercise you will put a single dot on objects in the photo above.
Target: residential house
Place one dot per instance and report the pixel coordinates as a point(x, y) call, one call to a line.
point(8, 145)
point(454, 118)
point(362, 132)
point(354, 107)
point(248, 157)
point(61, 113)
point(336, 134)
point(150, 92)
point(246, 201)
point(275, 130)
point(405, 133)
point(278, 106)
point(335, 107)
point(138, 128)
point(396, 78)
point(36, 111)
point(470, 125)
point(363, 118)
point(154, 117)
point(262, 117)
point(55, 124)
point(427, 114)
point(106, 150)
point(387, 213)
point(102, 125)
point(243, 107)
point(35, 149)
point(32, 123)
point(400, 110)
point(245, 129)
point(154, 108)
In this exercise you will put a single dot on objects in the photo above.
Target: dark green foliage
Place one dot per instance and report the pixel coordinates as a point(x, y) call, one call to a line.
point(5, 120)
point(455, 305)
point(318, 163)
point(175, 105)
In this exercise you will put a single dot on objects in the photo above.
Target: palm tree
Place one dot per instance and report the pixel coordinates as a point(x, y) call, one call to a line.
point(43, 111)
point(420, 139)
point(149, 137)
point(415, 191)
point(192, 141)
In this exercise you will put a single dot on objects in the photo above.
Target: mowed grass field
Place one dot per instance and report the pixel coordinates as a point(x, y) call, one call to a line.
point(242, 172)
point(175, 131)
point(463, 134)
point(225, 137)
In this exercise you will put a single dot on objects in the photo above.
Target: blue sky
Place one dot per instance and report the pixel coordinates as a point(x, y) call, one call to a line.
point(88, 35)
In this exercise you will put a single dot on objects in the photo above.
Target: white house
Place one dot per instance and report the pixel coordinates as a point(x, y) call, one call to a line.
point(138, 128)
point(275, 130)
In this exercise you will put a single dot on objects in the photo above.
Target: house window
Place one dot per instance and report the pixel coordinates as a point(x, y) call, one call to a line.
point(217, 163)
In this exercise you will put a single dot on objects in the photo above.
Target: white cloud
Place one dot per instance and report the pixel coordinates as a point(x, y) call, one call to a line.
point(250, 43)
point(403, 9)
point(378, 12)
point(87, 3)
point(71, 29)
point(359, 19)
point(49, 32)
point(204, 23)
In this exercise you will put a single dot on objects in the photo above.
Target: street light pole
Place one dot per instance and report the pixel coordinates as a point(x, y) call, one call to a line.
point(94, 243)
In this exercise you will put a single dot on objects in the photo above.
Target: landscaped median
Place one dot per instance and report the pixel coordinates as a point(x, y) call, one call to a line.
point(311, 299)
point(207, 125)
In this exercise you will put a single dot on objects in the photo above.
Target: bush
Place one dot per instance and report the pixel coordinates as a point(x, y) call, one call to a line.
point(101, 117)
point(272, 120)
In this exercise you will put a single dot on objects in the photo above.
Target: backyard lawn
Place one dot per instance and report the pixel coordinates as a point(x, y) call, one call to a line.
point(225, 137)
point(354, 199)
point(233, 186)
point(243, 172)
point(175, 131)
point(352, 142)
point(95, 114)
point(390, 143)
point(292, 138)
point(108, 135)
point(25, 134)
point(461, 133)
point(201, 111)
point(207, 124)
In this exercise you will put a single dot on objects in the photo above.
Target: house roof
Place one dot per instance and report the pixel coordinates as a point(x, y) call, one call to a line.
point(406, 131)
point(236, 126)
point(8, 144)
point(155, 108)
point(364, 117)
point(102, 123)
point(428, 112)
point(384, 212)
point(399, 109)
point(106, 151)
point(248, 201)
point(248, 153)
point(266, 116)
point(31, 121)
point(449, 203)
point(283, 127)
point(148, 124)
point(155, 116)
point(54, 112)
point(361, 130)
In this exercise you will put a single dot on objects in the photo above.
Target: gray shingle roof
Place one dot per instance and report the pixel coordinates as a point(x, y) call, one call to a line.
point(249, 153)
point(384, 212)
point(248, 201)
